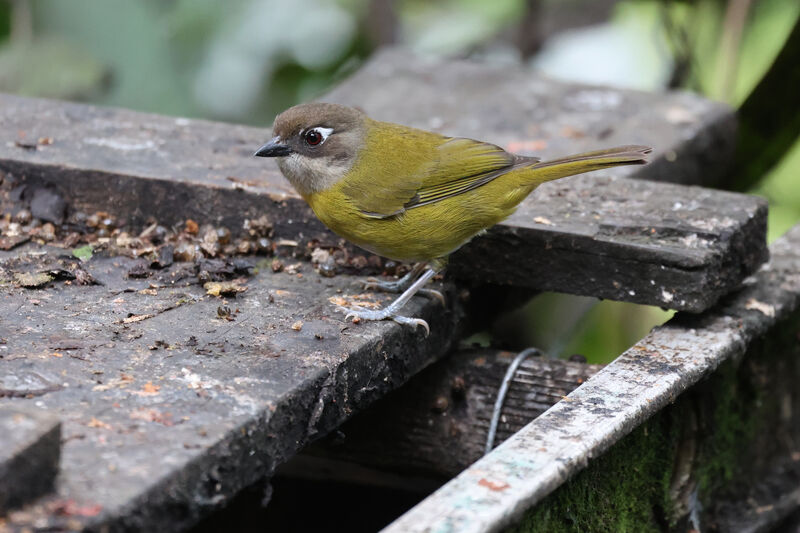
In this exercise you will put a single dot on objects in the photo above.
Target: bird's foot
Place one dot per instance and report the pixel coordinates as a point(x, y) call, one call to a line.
point(383, 314)
point(391, 311)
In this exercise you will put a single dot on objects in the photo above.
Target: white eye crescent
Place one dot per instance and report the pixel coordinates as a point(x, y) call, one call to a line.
point(325, 132)
point(316, 136)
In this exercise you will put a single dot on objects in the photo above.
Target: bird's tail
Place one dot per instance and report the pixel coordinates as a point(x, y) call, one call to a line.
point(589, 161)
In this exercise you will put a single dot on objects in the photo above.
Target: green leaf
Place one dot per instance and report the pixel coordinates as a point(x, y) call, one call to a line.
point(84, 253)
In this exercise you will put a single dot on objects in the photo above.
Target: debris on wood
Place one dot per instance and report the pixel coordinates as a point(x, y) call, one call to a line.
point(224, 288)
point(11, 242)
point(225, 312)
point(32, 280)
point(366, 300)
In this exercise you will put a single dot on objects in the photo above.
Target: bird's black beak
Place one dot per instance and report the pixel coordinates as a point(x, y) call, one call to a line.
point(274, 148)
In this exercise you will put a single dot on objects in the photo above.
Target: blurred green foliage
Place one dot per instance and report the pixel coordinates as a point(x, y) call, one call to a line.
point(246, 60)
point(73, 75)
point(562, 325)
point(241, 60)
point(782, 188)
point(5, 20)
point(453, 26)
point(721, 69)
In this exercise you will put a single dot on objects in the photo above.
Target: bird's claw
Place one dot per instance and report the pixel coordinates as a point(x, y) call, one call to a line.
point(351, 312)
point(369, 314)
point(408, 321)
point(433, 293)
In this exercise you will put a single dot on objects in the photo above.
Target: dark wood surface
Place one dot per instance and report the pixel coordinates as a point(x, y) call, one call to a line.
point(167, 405)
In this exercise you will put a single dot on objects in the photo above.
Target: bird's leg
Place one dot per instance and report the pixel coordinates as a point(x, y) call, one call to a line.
point(391, 310)
point(403, 283)
point(398, 285)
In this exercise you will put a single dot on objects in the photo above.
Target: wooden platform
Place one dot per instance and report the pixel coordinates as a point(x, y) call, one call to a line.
point(172, 399)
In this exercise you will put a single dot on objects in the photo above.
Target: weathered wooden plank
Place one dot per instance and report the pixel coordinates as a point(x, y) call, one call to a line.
point(673, 246)
point(170, 403)
point(602, 236)
point(497, 489)
point(29, 455)
point(437, 424)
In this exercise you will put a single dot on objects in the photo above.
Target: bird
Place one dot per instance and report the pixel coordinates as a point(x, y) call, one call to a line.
point(408, 194)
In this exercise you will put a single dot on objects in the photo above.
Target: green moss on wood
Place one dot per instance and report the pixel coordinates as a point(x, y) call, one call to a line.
point(729, 419)
point(724, 425)
point(625, 490)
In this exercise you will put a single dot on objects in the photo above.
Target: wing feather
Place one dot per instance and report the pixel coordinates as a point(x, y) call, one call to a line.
point(463, 165)
point(456, 166)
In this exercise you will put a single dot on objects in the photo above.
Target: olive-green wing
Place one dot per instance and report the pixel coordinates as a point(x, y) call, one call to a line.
point(462, 165)
point(454, 167)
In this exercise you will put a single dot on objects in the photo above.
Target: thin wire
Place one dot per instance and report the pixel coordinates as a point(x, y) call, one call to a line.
point(501, 394)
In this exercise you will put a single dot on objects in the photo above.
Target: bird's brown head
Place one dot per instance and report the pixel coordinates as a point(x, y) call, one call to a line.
point(316, 144)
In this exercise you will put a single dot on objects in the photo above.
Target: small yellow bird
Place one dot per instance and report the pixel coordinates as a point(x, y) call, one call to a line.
point(408, 194)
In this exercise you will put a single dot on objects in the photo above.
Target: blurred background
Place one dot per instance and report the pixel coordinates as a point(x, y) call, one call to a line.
point(246, 60)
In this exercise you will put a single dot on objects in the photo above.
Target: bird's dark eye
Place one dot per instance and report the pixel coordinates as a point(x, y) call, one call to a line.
point(313, 137)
